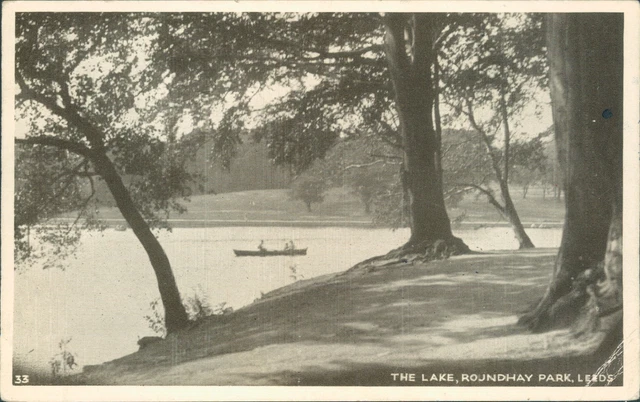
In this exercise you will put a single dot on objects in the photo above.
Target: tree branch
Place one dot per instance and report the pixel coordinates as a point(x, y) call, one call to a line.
point(286, 45)
point(398, 158)
point(507, 133)
point(26, 92)
point(85, 203)
point(73, 171)
point(485, 140)
point(490, 197)
point(71, 146)
point(363, 165)
point(389, 135)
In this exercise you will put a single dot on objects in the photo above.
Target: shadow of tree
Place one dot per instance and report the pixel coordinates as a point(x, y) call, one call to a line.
point(451, 303)
point(555, 372)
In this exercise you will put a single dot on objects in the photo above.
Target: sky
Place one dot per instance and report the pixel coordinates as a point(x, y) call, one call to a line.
point(527, 124)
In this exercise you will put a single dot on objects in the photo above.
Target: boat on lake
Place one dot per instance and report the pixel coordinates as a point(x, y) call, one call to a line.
point(269, 253)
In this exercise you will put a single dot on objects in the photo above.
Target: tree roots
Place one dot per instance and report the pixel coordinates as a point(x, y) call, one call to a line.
point(581, 307)
point(413, 252)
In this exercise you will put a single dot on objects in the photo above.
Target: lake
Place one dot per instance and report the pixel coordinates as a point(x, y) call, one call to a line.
point(101, 298)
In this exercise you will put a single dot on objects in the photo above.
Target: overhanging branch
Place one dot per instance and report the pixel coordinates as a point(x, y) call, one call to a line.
point(71, 146)
point(364, 165)
point(490, 197)
point(485, 140)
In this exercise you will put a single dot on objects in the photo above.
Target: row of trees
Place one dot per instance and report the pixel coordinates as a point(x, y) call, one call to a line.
point(114, 93)
point(372, 175)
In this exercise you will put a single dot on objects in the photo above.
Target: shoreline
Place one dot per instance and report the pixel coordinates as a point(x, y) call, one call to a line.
point(112, 223)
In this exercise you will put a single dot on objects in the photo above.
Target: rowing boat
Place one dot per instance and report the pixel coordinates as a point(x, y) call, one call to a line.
point(269, 253)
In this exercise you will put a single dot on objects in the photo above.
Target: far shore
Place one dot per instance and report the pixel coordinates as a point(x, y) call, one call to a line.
point(206, 223)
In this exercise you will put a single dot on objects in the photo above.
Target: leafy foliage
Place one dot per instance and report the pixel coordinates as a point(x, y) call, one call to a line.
point(309, 190)
point(490, 70)
point(329, 68)
point(49, 183)
point(63, 361)
point(531, 165)
point(197, 306)
point(499, 58)
point(89, 84)
point(155, 319)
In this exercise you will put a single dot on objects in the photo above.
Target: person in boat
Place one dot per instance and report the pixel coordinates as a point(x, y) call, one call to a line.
point(261, 246)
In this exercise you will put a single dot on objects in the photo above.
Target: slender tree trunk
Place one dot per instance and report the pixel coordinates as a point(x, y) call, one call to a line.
point(175, 315)
point(414, 94)
point(511, 214)
point(586, 66)
point(524, 241)
point(510, 209)
point(438, 121)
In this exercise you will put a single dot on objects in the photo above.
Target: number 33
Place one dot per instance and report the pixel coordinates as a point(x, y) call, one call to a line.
point(21, 379)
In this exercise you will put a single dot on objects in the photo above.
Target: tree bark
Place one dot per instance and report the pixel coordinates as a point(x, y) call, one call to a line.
point(176, 317)
point(586, 68)
point(521, 235)
point(411, 56)
point(524, 241)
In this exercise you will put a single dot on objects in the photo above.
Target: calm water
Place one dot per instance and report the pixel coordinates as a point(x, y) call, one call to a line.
point(100, 300)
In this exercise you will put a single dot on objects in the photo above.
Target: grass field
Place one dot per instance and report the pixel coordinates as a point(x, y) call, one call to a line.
point(533, 209)
point(340, 207)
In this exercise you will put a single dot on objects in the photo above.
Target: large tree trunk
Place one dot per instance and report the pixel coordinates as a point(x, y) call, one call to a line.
point(586, 68)
point(175, 314)
point(411, 73)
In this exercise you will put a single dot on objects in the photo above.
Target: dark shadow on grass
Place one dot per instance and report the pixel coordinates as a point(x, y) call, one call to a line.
point(556, 372)
point(411, 299)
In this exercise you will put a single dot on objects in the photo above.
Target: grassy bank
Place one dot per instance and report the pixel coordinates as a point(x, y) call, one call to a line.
point(455, 317)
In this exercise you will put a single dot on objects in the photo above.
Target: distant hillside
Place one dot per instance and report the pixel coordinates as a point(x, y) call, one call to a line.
point(250, 170)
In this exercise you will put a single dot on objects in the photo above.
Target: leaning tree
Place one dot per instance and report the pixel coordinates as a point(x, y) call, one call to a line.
point(85, 91)
point(586, 78)
point(497, 66)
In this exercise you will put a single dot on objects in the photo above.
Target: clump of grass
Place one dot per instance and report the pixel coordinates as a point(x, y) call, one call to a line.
point(64, 361)
point(197, 307)
point(294, 273)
